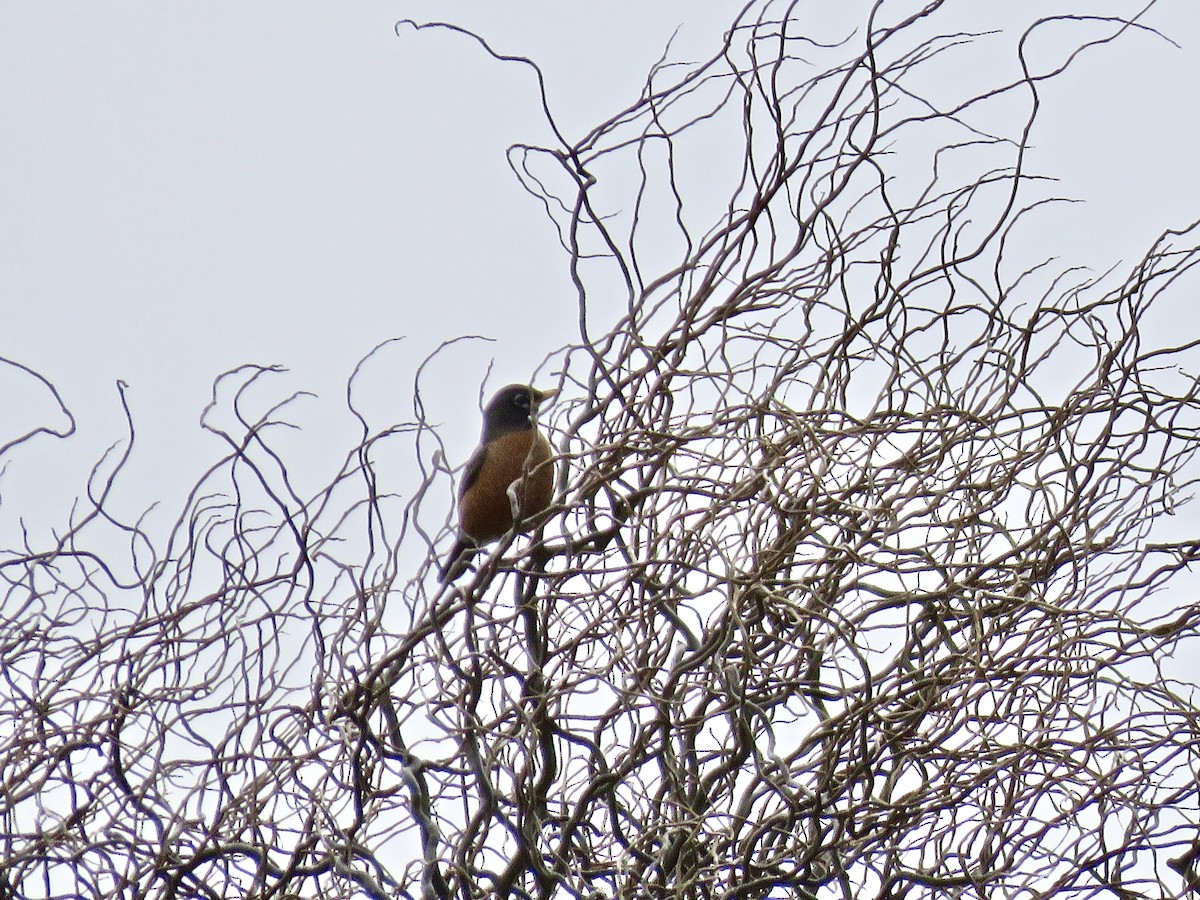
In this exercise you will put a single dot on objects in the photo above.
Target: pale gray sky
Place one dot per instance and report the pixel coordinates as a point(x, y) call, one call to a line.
point(186, 188)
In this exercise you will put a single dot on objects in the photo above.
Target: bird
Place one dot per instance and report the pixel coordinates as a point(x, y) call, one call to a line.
point(511, 449)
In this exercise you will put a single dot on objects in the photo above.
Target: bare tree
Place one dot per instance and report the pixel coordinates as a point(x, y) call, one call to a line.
point(855, 588)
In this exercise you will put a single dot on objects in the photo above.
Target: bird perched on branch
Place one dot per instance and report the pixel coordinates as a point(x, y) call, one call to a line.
point(514, 454)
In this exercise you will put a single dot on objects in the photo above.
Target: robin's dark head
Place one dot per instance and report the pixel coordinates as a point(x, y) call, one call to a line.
point(512, 409)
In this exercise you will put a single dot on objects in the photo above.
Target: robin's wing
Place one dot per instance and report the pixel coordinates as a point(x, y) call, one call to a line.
point(460, 556)
point(472, 469)
point(456, 563)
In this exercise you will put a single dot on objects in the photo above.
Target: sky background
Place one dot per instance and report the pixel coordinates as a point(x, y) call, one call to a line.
point(184, 189)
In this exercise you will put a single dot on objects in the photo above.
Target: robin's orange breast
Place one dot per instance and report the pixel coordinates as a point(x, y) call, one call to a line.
point(485, 510)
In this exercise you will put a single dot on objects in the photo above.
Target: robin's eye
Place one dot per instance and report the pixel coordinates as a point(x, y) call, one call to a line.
point(522, 400)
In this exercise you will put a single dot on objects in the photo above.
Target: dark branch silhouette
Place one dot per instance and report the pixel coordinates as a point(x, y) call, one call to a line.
point(856, 585)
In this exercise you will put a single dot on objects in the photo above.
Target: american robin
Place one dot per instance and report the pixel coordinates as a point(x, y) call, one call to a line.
point(512, 449)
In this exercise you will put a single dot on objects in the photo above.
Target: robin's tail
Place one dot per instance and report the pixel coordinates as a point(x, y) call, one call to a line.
point(456, 563)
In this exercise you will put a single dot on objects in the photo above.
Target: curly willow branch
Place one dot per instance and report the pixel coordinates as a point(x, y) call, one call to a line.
point(856, 587)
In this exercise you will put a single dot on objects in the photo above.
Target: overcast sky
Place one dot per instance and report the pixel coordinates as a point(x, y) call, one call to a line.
point(185, 188)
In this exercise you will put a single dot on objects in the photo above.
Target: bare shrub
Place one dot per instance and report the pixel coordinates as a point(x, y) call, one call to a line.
point(856, 587)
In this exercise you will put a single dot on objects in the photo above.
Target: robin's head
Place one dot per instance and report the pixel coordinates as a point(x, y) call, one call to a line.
point(512, 409)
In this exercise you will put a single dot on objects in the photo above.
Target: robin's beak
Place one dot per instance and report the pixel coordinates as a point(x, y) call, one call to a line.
point(540, 397)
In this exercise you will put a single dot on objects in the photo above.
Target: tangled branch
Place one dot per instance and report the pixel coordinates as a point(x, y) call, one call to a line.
point(857, 585)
